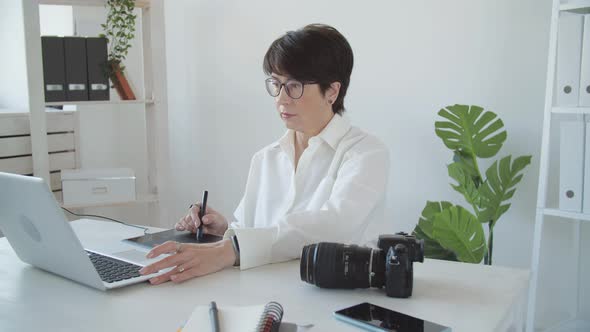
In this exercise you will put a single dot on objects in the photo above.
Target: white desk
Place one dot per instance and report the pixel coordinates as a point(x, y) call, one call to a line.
point(469, 298)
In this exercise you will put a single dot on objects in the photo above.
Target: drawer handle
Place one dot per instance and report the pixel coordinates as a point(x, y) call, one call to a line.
point(99, 190)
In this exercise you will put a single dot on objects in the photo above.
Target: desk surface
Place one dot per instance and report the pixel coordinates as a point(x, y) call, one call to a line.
point(466, 297)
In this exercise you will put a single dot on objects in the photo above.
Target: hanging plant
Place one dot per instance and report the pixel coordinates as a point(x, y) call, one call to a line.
point(119, 30)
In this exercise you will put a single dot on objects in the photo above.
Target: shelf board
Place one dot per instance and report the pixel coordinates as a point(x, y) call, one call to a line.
point(101, 102)
point(94, 3)
point(152, 198)
point(25, 112)
point(570, 110)
point(566, 214)
point(575, 325)
point(576, 6)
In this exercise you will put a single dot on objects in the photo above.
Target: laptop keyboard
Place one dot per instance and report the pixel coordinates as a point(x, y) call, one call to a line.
point(111, 269)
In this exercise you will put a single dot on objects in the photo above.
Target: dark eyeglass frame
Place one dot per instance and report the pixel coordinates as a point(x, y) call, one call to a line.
point(281, 85)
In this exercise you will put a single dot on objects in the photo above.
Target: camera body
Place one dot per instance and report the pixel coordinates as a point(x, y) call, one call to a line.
point(402, 251)
point(336, 265)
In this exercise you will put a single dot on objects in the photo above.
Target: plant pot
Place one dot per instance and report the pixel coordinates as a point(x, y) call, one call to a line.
point(120, 82)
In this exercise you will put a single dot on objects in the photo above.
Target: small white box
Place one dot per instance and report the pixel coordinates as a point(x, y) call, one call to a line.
point(97, 186)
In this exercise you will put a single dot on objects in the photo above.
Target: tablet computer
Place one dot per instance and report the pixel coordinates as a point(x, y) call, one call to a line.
point(153, 239)
point(372, 317)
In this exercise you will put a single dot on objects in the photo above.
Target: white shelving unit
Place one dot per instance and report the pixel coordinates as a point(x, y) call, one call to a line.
point(566, 214)
point(574, 323)
point(575, 6)
point(156, 113)
point(101, 102)
point(570, 110)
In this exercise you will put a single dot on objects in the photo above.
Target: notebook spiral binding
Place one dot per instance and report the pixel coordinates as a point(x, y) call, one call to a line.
point(270, 321)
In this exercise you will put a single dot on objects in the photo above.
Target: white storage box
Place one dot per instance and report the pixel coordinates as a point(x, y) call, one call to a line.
point(97, 186)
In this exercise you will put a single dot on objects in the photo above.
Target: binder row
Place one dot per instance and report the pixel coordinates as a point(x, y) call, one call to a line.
point(74, 68)
point(573, 61)
point(574, 164)
point(572, 89)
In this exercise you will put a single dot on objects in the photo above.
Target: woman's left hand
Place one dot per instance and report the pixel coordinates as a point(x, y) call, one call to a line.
point(189, 260)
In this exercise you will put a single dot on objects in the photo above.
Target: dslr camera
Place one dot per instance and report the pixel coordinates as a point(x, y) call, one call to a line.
point(336, 265)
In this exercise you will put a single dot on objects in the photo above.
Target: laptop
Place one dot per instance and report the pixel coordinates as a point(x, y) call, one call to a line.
point(38, 231)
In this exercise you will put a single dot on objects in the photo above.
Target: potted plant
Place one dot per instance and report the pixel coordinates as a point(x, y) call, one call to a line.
point(451, 231)
point(119, 30)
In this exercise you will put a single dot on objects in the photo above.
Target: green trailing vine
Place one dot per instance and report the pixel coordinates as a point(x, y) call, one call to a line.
point(119, 30)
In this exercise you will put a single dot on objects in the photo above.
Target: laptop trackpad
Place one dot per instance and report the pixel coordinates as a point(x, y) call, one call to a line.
point(136, 257)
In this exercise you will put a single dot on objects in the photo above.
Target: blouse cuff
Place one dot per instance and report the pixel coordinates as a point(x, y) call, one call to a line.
point(255, 245)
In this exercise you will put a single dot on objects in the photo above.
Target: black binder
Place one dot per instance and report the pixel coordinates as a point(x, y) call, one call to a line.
point(98, 81)
point(54, 77)
point(76, 69)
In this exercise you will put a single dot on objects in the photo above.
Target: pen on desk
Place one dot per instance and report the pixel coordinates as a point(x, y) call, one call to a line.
point(202, 212)
point(213, 317)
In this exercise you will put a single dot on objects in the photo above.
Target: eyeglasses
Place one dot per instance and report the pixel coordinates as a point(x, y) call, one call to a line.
point(293, 88)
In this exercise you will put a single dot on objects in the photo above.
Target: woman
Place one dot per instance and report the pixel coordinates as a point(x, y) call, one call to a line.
point(322, 181)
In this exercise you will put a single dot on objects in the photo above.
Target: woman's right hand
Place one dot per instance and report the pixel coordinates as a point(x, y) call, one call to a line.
point(213, 221)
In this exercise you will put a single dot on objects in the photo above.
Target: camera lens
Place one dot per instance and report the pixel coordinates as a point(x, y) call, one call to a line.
point(419, 252)
point(335, 265)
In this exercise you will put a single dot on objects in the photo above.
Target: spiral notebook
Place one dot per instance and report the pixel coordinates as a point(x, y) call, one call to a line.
point(259, 318)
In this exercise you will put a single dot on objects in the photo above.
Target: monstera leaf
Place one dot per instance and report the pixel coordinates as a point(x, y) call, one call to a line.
point(433, 249)
point(451, 231)
point(465, 184)
point(471, 130)
point(458, 230)
point(500, 186)
point(424, 229)
point(468, 165)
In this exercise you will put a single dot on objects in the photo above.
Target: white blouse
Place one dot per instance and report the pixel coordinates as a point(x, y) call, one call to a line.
point(335, 195)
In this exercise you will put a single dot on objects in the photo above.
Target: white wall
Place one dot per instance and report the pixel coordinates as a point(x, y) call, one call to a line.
point(13, 80)
point(411, 59)
point(56, 20)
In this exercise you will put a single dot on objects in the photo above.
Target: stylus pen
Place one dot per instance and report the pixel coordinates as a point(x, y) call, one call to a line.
point(202, 212)
point(213, 317)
